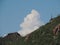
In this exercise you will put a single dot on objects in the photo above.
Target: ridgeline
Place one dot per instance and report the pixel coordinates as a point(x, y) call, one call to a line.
point(48, 34)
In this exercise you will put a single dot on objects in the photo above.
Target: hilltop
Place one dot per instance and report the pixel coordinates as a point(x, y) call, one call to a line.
point(48, 34)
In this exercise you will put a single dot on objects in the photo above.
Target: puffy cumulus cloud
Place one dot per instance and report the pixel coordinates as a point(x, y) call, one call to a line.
point(31, 22)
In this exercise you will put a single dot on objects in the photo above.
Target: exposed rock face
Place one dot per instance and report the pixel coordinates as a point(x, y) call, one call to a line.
point(27, 37)
point(56, 29)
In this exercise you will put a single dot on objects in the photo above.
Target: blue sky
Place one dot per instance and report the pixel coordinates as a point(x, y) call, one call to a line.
point(12, 12)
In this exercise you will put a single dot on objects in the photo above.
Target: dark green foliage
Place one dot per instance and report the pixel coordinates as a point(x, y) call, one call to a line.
point(42, 36)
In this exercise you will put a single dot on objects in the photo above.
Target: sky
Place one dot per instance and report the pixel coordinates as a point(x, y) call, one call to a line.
point(13, 12)
point(31, 23)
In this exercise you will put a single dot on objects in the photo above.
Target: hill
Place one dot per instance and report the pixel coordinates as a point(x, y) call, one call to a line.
point(48, 34)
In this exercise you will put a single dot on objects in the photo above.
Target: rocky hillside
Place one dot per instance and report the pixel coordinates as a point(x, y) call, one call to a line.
point(48, 34)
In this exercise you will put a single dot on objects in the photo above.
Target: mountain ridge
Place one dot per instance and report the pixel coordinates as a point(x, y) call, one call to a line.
point(42, 36)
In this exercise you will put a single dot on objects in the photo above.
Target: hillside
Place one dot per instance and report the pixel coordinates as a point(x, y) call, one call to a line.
point(44, 35)
point(48, 34)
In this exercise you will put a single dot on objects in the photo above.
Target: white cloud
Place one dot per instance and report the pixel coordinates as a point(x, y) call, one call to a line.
point(31, 22)
point(4, 35)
